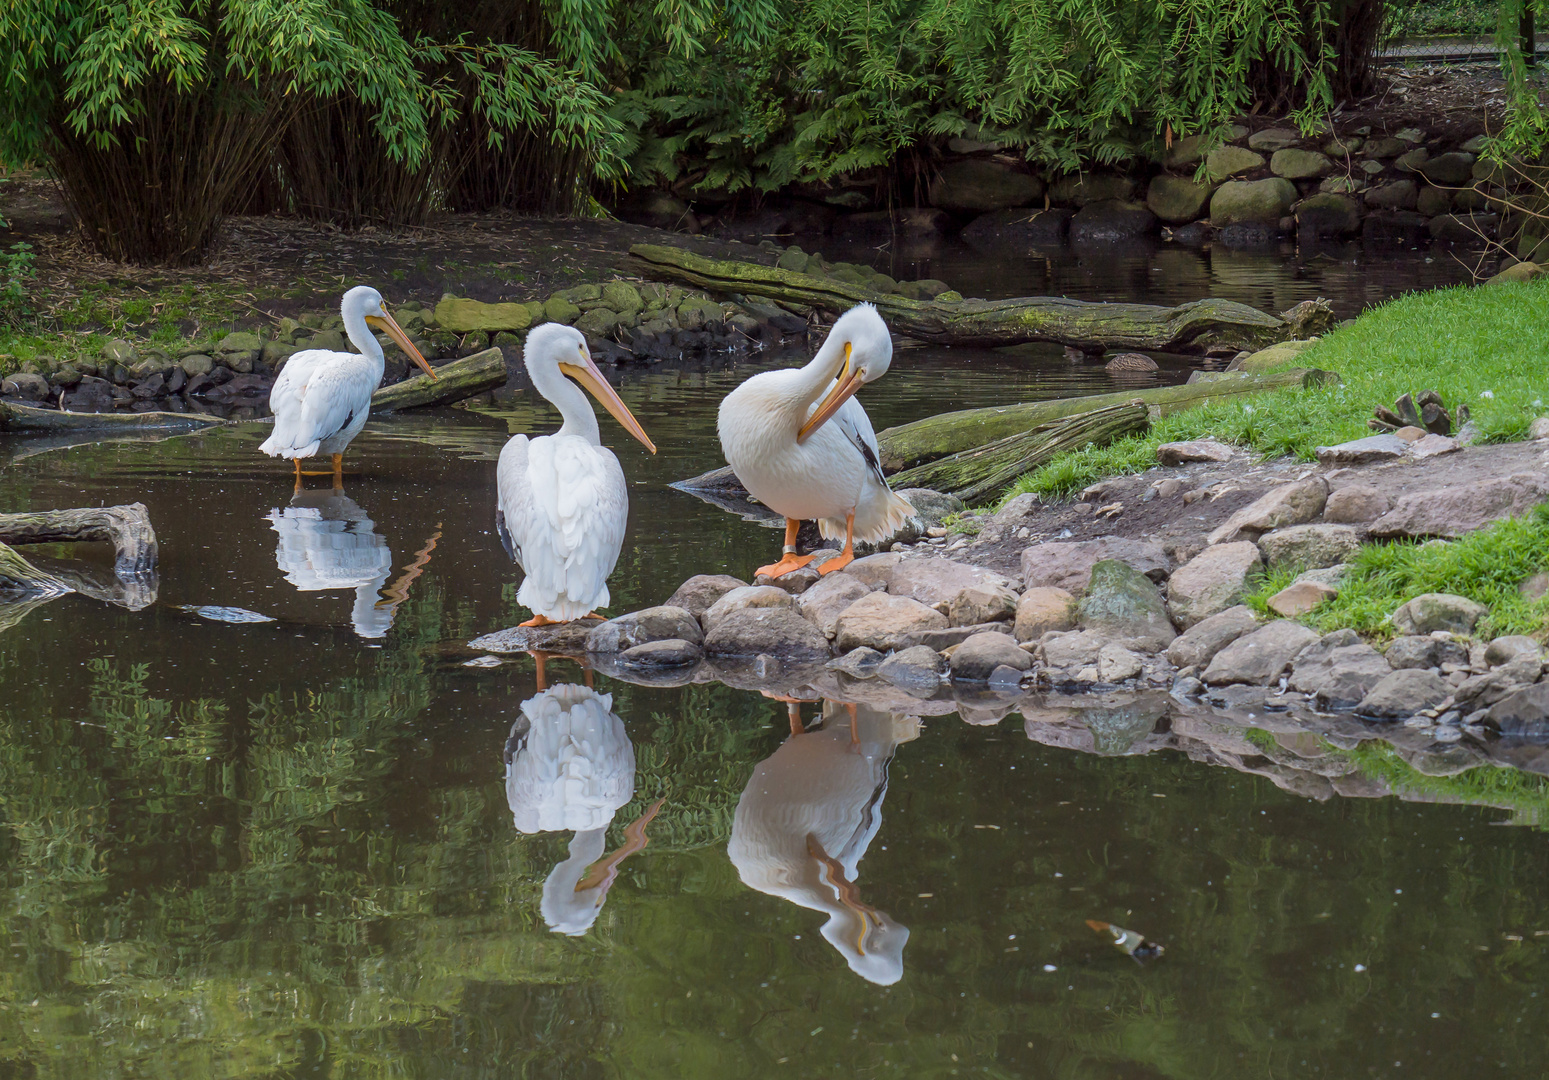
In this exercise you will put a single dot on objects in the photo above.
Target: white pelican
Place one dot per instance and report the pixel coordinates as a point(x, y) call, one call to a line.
point(570, 765)
point(778, 440)
point(321, 399)
point(808, 814)
point(563, 501)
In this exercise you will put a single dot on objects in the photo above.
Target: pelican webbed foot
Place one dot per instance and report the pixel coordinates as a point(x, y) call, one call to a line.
point(847, 556)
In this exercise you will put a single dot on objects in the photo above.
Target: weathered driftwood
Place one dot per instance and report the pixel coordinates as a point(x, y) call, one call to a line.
point(458, 380)
point(974, 475)
point(14, 416)
point(937, 436)
point(127, 528)
point(1192, 327)
point(19, 578)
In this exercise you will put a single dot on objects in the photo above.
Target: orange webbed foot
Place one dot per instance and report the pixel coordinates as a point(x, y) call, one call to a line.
point(783, 567)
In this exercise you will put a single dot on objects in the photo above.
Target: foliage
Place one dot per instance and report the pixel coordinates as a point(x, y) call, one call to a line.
point(1474, 346)
point(16, 277)
point(1417, 18)
point(1485, 785)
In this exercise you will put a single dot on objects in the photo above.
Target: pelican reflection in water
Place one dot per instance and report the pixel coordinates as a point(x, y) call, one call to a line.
point(806, 818)
point(570, 766)
point(328, 542)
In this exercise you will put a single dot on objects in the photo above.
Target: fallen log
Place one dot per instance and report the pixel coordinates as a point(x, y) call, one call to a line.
point(456, 381)
point(127, 528)
point(974, 475)
point(14, 416)
point(19, 578)
point(908, 445)
point(1188, 328)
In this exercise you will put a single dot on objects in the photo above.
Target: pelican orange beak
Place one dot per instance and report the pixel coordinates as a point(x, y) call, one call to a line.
point(389, 326)
point(843, 390)
point(591, 379)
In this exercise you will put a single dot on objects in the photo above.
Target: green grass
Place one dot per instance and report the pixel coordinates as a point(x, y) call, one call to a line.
point(1419, 18)
point(1462, 342)
point(1526, 795)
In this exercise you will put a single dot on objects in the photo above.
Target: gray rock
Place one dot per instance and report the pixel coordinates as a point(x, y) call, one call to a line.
point(1082, 189)
point(798, 581)
point(935, 581)
point(1399, 195)
point(1274, 139)
point(877, 619)
point(1339, 670)
point(1288, 504)
point(778, 631)
point(196, 364)
point(1523, 713)
point(976, 658)
point(1423, 651)
point(1449, 170)
point(1367, 451)
point(26, 385)
point(1072, 649)
point(981, 604)
point(1068, 566)
point(119, 351)
point(1214, 580)
point(1122, 603)
point(1485, 690)
point(945, 639)
point(1309, 546)
point(1259, 658)
point(1111, 219)
point(666, 653)
point(639, 627)
point(1356, 504)
point(1018, 511)
point(1225, 161)
point(1451, 512)
point(917, 670)
point(1505, 649)
point(1043, 609)
point(1181, 453)
point(822, 604)
point(861, 663)
point(1403, 693)
point(874, 570)
point(699, 592)
point(1247, 202)
point(1438, 611)
point(1115, 663)
point(1299, 164)
point(983, 184)
point(1198, 645)
point(931, 507)
point(1177, 199)
point(746, 596)
point(1464, 228)
point(1433, 445)
point(1328, 214)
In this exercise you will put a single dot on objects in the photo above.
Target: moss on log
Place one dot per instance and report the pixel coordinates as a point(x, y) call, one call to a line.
point(127, 528)
point(456, 381)
point(974, 475)
point(908, 445)
point(15, 416)
point(1192, 327)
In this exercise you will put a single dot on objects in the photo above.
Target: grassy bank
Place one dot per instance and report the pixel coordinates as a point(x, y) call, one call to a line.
point(1479, 346)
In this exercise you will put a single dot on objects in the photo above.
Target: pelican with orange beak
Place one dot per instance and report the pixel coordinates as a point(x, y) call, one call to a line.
point(803, 446)
point(322, 398)
point(563, 504)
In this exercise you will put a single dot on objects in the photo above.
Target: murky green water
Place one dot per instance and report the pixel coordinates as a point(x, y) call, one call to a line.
point(296, 848)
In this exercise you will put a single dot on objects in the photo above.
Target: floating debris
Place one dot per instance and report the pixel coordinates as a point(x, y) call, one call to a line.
point(484, 661)
point(225, 614)
point(1132, 944)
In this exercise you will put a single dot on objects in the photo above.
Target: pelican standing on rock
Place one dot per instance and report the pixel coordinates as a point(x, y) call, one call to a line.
point(806, 458)
point(563, 501)
point(322, 398)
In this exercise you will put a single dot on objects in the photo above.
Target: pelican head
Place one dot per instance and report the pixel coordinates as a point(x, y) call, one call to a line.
point(365, 303)
point(862, 338)
point(555, 347)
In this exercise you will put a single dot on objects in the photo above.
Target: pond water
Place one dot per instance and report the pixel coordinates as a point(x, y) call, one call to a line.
point(322, 846)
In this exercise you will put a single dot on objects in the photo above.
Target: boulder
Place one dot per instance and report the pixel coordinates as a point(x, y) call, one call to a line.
point(877, 619)
point(945, 638)
point(1433, 445)
point(1367, 451)
point(1076, 649)
point(822, 604)
point(1176, 199)
point(917, 670)
point(558, 309)
point(982, 604)
point(1423, 651)
point(1246, 202)
point(1453, 511)
point(1122, 603)
point(1274, 139)
point(1310, 547)
point(1042, 609)
point(1438, 611)
point(1115, 663)
point(462, 315)
point(196, 364)
point(119, 351)
point(1464, 228)
point(874, 570)
point(666, 653)
point(623, 298)
point(1183, 153)
point(1296, 164)
point(1198, 645)
point(639, 627)
point(1082, 189)
point(1328, 214)
point(1386, 147)
point(1018, 228)
point(699, 592)
point(1503, 650)
point(26, 385)
point(745, 596)
point(1214, 580)
point(1068, 566)
point(935, 581)
point(1181, 453)
point(1523, 713)
point(1399, 195)
point(1227, 161)
point(1356, 504)
point(976, 658)
point(1403, 693)
point(1111, 219)
point(1259, 658)
point(983, 184)
point(1432, 201)
point(1288, 504)
point(1482, 691)
point(861, 663)
point(1339, 670)
point(931, 507)
point(1300, 597)
point(777, 631)
point(1452, 169)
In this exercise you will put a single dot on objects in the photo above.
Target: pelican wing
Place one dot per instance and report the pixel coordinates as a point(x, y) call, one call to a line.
point(317, 395)
point(563, 509)
point(856, 425)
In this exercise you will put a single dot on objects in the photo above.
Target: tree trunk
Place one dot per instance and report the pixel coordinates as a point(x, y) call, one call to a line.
point(458, 380)
point(14, 416)
point(975, 475)
point(1187, 328)
point(127, 528)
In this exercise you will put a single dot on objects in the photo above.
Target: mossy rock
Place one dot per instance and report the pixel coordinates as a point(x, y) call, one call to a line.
point(1227, 161)
point(598, 322)
point(578, 293)
point(623, 297)
point(462, 316)
point(558, 308)
point(1177, 199)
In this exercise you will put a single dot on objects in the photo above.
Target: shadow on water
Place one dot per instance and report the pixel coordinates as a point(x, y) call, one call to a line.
point(324, 845)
